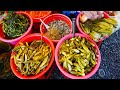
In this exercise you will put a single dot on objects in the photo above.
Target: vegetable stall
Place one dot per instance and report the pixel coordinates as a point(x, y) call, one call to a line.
point(77, 56)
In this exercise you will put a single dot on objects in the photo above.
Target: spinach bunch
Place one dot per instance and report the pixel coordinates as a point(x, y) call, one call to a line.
point(14, 25)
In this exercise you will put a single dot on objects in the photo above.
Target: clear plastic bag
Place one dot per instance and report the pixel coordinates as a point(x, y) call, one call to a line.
point(115, 15)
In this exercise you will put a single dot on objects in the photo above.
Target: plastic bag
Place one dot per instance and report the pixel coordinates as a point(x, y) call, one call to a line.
point(116, 15)
point(100, 33)
point(93, 14)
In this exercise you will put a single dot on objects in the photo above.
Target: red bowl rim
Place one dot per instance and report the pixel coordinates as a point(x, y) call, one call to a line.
point(30, 27)
point(81, 31)
point(49, 12)
point(45, 70)
point(70, 75)
point(56, 14)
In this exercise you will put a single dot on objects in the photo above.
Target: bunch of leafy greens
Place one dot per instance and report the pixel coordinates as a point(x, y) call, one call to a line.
point(14, 25)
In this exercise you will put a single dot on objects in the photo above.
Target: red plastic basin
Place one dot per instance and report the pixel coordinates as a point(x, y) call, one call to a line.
point(53, 17)
point(68, 75)
point(30, 38)
point(14, 41)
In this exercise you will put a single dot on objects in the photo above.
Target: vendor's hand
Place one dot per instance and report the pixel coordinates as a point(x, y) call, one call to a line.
point(93, 14)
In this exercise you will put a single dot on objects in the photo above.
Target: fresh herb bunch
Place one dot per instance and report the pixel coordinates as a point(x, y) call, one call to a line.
point(14, 25)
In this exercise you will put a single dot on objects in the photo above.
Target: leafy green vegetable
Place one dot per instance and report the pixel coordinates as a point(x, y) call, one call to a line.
point(14, 25)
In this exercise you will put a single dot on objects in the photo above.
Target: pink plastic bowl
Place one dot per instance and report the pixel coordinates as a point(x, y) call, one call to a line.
point(70, 75)
point(56, 16)
point(30, 38)
point(80, 29)
point(14, 41)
